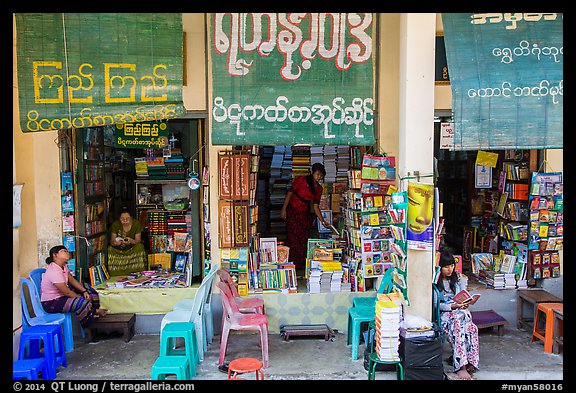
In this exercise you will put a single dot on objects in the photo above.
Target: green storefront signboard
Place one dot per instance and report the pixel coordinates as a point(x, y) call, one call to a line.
point(79, 70)
point(152, 135)
point(288, 78)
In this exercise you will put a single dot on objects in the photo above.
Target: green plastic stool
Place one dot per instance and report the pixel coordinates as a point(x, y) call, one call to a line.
point(374, 360)
point(357, 315)
point(167, 365)
point(186, 331)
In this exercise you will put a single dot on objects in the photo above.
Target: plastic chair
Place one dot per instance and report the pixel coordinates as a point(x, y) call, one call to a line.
point(235, 320)
point(384, 287)
point(29, 368)
point(187, 304)
point(54, 352)
point(168, 336)
point(436, 296)
point(545, 310)
point(356, 316)
point(36, 276)
point(166, 365)
point(245, 365)
point(246, 305)
point(195, 315)
point(33, 313)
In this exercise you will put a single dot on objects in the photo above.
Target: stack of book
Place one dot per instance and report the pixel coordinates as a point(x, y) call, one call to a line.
point(387, 320)
point(300, 161)
point(325, 281)
point(330, 163)
point(336, 281)
point(342, 163)
point(314, 275)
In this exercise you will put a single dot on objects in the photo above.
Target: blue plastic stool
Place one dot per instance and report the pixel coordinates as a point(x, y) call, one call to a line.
point(165, 365)
point(28, 368)
point(357, 315)
point(186, 331)
point(54, 352)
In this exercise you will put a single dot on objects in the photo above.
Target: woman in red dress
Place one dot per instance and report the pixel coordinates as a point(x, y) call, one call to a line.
point(296, 213)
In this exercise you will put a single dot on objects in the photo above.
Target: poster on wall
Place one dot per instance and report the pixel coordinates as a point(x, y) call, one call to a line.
point(288, 78)
point(420, 228)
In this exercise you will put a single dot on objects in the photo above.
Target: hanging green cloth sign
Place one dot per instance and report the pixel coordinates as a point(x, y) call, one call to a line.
point(288, 78)
point(507, 79)
point(92, 69)
point(146, 135)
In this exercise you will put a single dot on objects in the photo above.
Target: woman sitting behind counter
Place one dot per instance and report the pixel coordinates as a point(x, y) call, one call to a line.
point(126, 253)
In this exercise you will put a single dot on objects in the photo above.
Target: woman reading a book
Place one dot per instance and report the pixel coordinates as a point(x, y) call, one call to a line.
point(456, 320)
point(60, 292)
point(305, 190)
point(126, 253)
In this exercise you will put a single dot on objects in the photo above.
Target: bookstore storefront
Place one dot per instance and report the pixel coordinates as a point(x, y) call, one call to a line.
point(275, 107)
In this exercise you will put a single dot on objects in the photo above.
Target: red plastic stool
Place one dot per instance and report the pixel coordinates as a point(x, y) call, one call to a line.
point(245, 365)
point(546, 334)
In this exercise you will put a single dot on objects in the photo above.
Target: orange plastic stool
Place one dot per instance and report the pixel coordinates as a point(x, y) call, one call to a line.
point(546, 334)
point(245, 365)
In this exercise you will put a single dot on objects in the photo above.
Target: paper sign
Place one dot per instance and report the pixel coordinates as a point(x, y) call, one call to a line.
point(486, 158)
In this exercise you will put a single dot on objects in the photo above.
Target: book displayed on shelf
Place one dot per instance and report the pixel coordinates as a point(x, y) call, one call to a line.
point(546, 227)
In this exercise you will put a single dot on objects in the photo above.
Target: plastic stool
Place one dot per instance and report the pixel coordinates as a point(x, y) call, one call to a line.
point(165, 365)
point(375, 359)
point(546, 334)
point(28, 368)
point(185, 330)
point(357, 315)
point(54, 354)
point(245, 365)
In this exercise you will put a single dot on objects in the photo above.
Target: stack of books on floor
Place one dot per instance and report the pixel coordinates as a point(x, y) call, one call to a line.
point(387, 337)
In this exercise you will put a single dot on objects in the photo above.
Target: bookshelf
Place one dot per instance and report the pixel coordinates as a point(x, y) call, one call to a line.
point(512, 208)
point(546, 225)
point(92, 203)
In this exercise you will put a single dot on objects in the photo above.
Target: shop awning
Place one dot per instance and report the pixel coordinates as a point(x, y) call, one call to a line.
point(93, 69)
point(289, 78)
point(506, 73)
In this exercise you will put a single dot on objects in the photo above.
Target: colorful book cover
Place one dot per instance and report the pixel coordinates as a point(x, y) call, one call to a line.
point(69, 242)
point(66, 181)
point(67, 203)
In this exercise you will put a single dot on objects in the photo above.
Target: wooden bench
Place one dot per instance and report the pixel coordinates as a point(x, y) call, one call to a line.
point(488, 319)
point(532, 297)
point(110, 323)
point(286, 331)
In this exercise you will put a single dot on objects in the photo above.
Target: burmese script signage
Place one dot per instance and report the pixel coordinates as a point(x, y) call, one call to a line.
point(287, 78)
point(89, 69)
point(146, 135)
point(506, 73)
